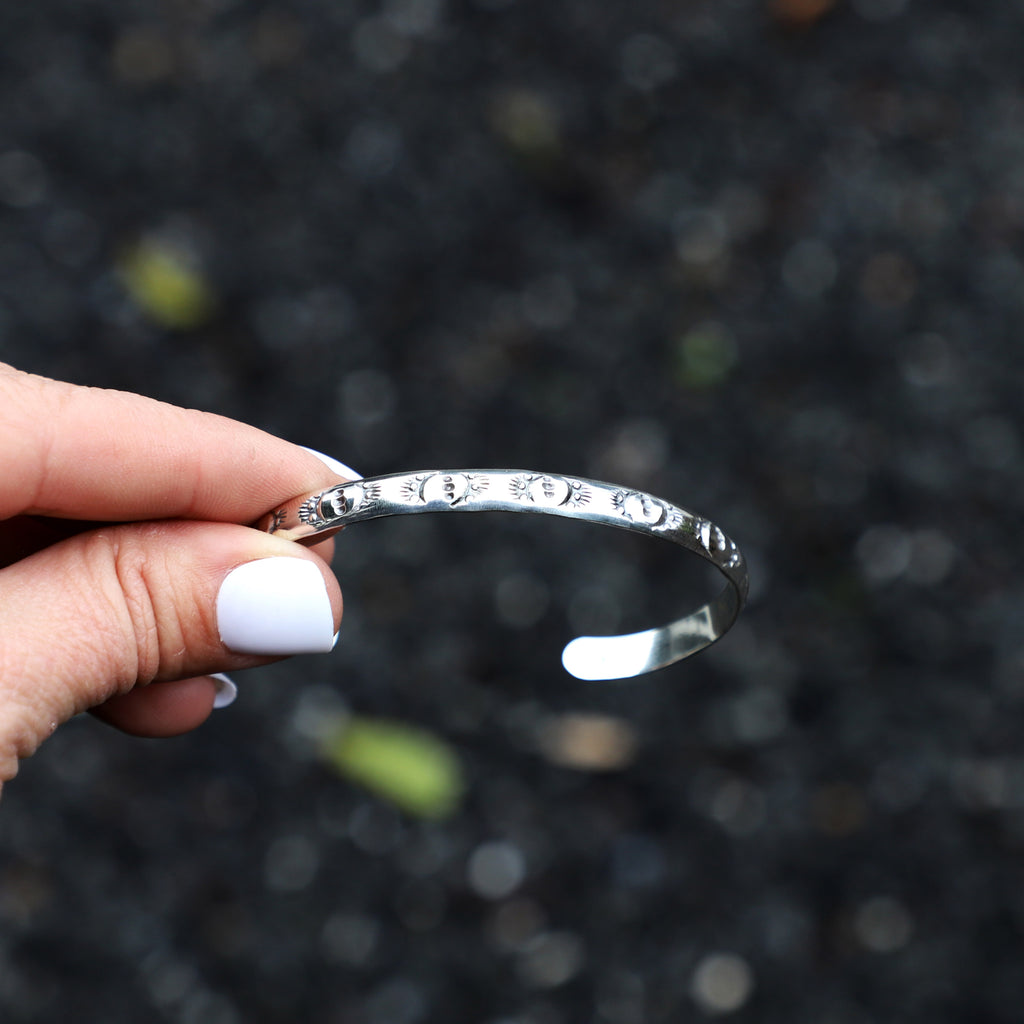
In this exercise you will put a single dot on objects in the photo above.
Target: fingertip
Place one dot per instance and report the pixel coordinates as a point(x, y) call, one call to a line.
point(325, 549)
point(162, 710)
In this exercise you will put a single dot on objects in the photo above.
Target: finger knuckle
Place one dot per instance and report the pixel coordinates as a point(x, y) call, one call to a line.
point(143, 612)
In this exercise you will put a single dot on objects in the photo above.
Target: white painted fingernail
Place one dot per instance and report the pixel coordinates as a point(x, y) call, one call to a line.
point(334, 465)
point(275, 606)
point(226, 691)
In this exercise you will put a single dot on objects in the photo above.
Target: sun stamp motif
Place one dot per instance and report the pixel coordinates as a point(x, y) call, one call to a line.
point(549, 491)
point(579, 494)
point(638, 507)
point(451, 488)
point(309, 512)
point(411, 490)
point(277, 520)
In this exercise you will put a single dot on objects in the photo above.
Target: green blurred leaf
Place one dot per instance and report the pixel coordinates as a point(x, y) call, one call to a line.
point(166, 287)
point(705, 356)
point(409, 766)
point(527, 122)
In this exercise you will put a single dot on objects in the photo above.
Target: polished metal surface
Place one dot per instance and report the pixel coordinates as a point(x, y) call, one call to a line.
point(312, 517)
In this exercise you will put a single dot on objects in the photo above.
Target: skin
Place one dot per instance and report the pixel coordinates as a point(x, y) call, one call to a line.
point(118, 522)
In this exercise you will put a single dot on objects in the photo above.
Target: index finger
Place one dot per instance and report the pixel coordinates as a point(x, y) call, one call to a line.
point(89, 453)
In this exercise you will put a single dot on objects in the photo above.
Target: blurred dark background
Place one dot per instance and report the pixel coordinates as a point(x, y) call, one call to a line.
point(761, 257)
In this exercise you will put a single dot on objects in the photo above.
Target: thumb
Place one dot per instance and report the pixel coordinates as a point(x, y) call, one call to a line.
point(123, 606)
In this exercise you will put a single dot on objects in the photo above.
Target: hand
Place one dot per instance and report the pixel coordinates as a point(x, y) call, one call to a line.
point(125, 579)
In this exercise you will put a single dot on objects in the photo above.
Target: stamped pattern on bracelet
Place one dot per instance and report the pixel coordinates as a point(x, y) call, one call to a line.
point(453, 489)
point(277, 520)
point(549, 491)
point(638, 507)
point(411, 489)
point(309, 512)
point(327, 506)
point(721, 549)
point(348, 498)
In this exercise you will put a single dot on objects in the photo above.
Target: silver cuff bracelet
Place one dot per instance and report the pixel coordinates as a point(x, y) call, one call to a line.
point(311, 518)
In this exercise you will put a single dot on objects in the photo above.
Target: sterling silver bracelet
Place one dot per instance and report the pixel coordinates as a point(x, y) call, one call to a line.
point(311, 518)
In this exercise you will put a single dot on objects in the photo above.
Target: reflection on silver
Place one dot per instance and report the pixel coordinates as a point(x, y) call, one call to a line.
point(310, 518)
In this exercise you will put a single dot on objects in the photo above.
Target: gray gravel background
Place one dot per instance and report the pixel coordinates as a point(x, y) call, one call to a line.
point(763, 259)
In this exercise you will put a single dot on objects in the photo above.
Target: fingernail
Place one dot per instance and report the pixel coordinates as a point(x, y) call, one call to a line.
point(226, 691)
point(275, 606)
point(334, 465)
